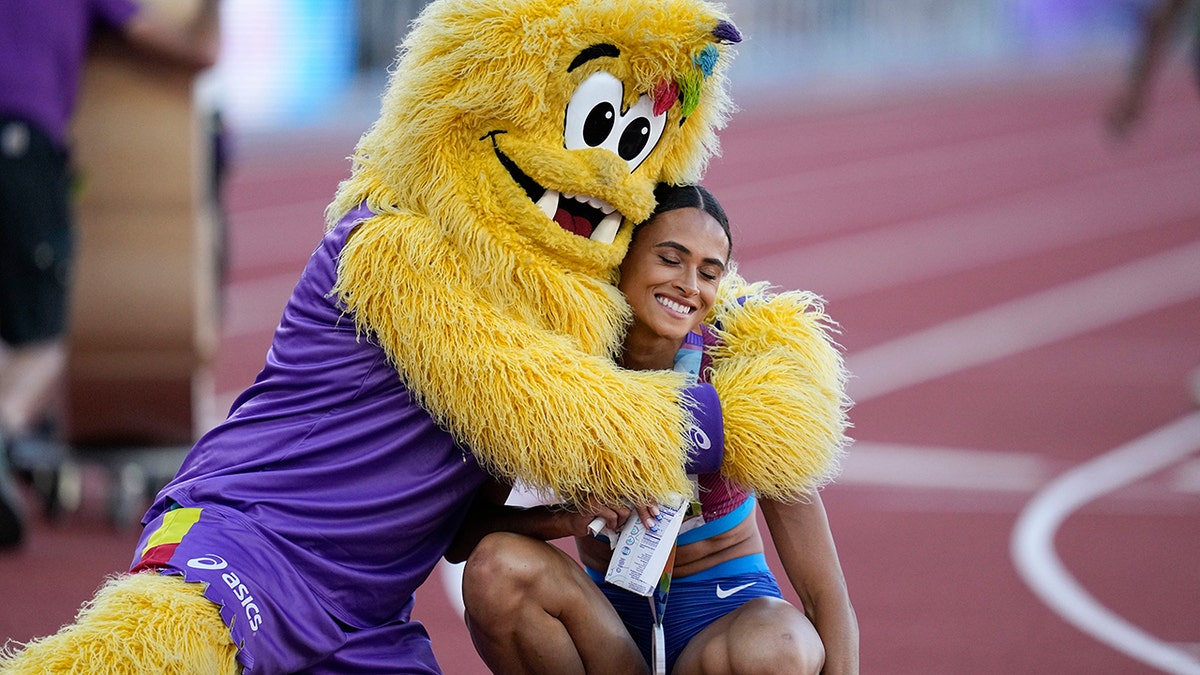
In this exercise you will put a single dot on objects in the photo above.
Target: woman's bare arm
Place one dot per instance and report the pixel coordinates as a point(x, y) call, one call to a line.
point(805, 545)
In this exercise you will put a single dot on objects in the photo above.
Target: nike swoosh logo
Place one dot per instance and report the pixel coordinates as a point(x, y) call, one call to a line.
point(723, 593)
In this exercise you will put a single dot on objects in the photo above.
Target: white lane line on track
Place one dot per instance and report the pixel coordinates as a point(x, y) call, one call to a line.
point(1032, 544)
point(1188, 478)
point(1058, 313)
point(968, 156)
point(1055, 314)
point(1032, 221)
point(923, 467)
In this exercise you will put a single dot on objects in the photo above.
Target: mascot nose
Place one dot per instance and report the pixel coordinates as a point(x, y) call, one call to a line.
point(611, 169)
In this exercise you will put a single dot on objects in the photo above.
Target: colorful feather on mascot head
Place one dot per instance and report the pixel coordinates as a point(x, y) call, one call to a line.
point(517, 142)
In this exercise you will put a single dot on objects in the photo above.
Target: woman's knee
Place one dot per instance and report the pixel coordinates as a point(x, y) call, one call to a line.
point(497, 558)
point(773, 636)
point(507, 565)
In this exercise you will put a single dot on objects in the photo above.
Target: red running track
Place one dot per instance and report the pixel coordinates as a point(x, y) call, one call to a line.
point(1019, 300)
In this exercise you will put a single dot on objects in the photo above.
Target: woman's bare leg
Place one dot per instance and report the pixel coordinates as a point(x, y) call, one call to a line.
point(765, 635)
point(531, 608)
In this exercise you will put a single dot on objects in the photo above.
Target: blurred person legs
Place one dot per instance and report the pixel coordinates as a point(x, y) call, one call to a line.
point(35, 257)
point(36, 249)
point(29, 385)
point(12, 511)
point(1162, 24)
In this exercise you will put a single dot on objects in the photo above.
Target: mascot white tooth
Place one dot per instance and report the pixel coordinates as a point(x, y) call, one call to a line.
point(459, 318)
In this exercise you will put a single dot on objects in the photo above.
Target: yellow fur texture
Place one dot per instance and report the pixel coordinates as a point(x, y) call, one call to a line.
point(137, 624)
point(782, 386)
point(502, 322)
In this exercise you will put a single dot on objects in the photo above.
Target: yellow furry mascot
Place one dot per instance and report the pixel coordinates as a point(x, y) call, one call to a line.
point(460, 319)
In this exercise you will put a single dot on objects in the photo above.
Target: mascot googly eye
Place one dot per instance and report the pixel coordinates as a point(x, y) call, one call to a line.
point(596, 118)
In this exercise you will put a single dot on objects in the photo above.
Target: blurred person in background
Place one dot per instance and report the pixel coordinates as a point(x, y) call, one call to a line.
point(1162, 21)
point(43, 47)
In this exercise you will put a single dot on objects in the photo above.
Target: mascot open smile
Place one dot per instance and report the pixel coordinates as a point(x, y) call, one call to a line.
point(459, 320)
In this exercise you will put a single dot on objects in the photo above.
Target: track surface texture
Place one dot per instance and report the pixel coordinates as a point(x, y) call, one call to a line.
point(1019, 302)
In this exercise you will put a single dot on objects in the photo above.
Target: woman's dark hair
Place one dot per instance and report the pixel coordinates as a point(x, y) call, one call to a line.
point(669, 197)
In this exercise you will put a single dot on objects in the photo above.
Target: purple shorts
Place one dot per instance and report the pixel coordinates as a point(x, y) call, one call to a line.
point(277, 622)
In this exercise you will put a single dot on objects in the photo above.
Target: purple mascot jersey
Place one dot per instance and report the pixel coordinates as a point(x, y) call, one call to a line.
point(328, 495)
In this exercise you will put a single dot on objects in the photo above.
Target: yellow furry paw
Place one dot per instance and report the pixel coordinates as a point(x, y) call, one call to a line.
point(139, 623)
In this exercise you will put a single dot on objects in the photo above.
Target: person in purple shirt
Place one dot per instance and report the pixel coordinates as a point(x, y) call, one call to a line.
point(42, 50)
point(289, 512)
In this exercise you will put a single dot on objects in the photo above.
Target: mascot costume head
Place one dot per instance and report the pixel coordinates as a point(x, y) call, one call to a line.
point(518, 142)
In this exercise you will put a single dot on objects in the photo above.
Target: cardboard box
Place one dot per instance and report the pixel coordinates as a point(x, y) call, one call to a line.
point(144, 325)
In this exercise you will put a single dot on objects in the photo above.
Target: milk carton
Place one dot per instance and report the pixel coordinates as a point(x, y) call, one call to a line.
point(640, 555)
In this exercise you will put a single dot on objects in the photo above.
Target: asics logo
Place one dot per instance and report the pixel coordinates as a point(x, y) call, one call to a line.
point(245, 596)
point(699, 439)
point(723, 593)
point(208, 562)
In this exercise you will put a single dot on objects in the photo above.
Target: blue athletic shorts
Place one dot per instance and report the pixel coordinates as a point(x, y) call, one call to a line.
point(693, 602)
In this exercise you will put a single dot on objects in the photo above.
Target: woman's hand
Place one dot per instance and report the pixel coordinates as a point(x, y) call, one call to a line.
point(613, 518)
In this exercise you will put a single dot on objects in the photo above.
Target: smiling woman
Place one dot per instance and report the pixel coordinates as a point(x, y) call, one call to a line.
point(527, 602)
point(670, 276)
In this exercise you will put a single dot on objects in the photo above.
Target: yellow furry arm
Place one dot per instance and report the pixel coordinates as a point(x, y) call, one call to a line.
point(528, 402)
point(782, 385)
